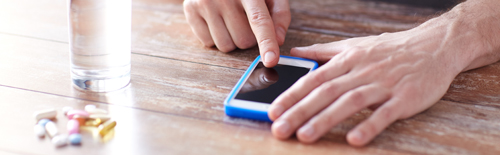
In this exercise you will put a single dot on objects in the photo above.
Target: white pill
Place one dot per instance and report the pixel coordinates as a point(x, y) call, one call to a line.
point(97, 111)
point(60, 140)
point(51, 129)
point(90, 107)
point(39, 130)
point(66, 109)
point(48, 114)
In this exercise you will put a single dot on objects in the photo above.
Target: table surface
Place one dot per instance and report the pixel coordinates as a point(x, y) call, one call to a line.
point(174, 103)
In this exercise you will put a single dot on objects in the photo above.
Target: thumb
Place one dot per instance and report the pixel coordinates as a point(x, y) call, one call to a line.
point(318, 52)
point(280, 13)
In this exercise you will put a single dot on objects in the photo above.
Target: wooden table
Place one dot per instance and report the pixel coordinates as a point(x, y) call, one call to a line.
point(174, 104)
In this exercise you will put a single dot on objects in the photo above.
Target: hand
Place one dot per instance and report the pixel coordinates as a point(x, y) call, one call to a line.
point(396, 74)
point(241, 23)
point(260, 78)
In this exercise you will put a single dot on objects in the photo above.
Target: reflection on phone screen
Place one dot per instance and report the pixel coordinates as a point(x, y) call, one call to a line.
point(265, 84)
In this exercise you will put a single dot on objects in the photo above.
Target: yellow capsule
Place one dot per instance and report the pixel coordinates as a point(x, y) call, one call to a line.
point(106, 127)
point(103, 117)
point(93, 122)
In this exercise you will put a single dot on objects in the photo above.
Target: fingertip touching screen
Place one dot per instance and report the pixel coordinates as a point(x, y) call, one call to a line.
point(266, 84)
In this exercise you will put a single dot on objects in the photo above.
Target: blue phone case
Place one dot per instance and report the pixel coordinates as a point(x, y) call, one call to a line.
point(247, 113)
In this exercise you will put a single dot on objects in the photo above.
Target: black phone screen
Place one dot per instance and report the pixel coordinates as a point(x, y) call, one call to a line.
point(266, 84)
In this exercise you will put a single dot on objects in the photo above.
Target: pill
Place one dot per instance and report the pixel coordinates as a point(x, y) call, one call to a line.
point(60, 140)
point(51, 129)
point(73, 126)
point(97, 111)
point(90, 107)
point(75, 139)
point(65, 110)
point(72, 113)
point(81, 119)
point(106, 127)
point(48, 114)
point(42, 122)
point(39, 130)
point(93, 122)
point(103, 117)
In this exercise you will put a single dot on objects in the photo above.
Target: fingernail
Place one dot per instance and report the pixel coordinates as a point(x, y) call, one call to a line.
point(357, 135)
point(278, 110)
point(307, 131)
point(282, 127)
point(299, 48)
point(269, 57)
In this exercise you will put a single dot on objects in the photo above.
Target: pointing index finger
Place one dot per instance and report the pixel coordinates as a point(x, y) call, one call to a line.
point(263, 27)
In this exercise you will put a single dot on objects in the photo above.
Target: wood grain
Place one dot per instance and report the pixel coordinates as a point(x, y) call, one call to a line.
point(174, 103)
point(163, 30)
point(142, 132)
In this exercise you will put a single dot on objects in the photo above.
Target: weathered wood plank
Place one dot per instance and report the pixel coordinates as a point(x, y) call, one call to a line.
point(196, 90)
point(159, 27)
point(44, 19)
point(172, 74)
point(158, 84)
point(163, 31)
point(143, 132)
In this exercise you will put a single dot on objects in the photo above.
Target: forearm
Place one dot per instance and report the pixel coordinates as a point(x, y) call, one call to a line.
point(482, 17)
point(468, 35)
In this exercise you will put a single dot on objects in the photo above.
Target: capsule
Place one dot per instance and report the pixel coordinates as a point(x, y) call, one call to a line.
point(65, 110)
point(106, 127)
point(73, 126)
point(103, 117)
point(72, 113)
point(51, 129)
point(97, 111)
point(47, 114)
point(93, 122)
point(60, 140)
point(81, 119)
point(90, 107)
point(42, 122)
point(39, 130)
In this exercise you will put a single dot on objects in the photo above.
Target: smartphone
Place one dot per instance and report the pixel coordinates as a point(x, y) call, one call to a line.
point(259, 86)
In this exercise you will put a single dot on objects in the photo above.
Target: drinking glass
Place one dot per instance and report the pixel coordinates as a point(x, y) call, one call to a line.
point(100, 41)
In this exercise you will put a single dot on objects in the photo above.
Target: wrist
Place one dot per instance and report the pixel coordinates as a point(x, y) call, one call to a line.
point(466, 37)
point(476, 30)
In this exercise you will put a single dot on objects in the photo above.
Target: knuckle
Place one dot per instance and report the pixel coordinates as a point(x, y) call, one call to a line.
point(190, 7)
point(258, 17)
point(282, 13)
point(291, 96)
point(329, 88)
point(357, 99)
point(208, 43)
point(226, 46)
point(266, 41)
point(204, 3)
point(318, 77)
point(187, 5)
point(245, 42)
point(356, 52)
